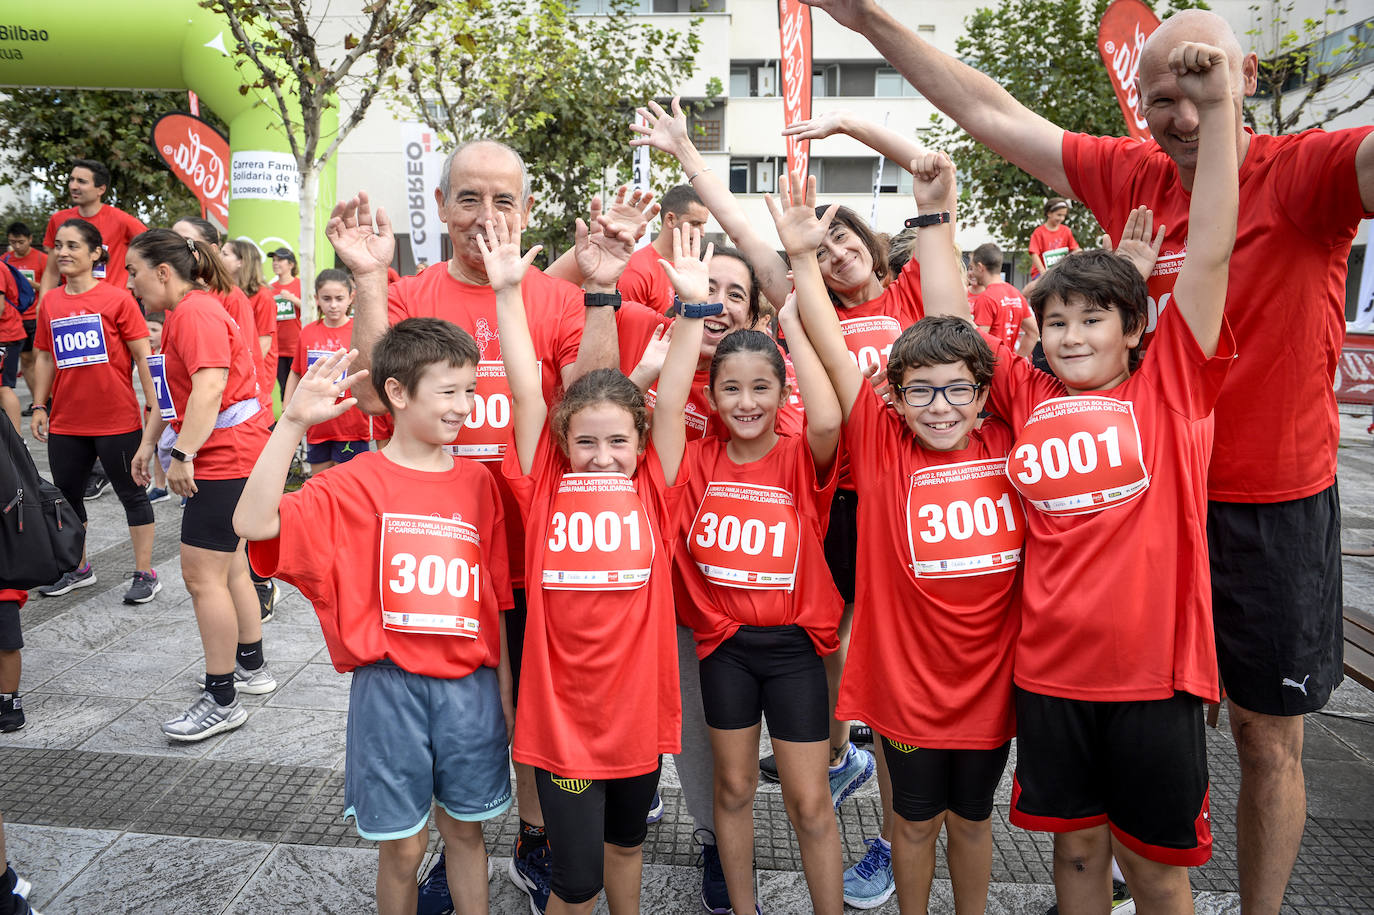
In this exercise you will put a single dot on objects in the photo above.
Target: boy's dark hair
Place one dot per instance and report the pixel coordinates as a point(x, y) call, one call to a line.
point(413, 345)
point(755, 303)
point(1102, 279)
point(900, 247)
point(877, 249)
point(100, 175)
point(989, 255)
point(207, 230)
point(597, 387)
point(90, 235)
point(749, 341)
point(938, 340)
point(19, 228)
point(333, 276)
point(190, 259)
point(678, 199)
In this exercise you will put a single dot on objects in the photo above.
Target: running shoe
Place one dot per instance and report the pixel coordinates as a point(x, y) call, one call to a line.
point(205, 718)
point(83, 577)
point(857, 768)
point(268, 595)
point(27, 411)
point(253, 682)
point(655, 810)
point(869, 883)
point(434, 896)
point(768, 767)
point(157, 494)
point(531, 874)
point(715, 898)
point(1122, 903)
point(96, 485)
point(861, 733)
point(11, 713)
point(20, 895)
point(145, 586)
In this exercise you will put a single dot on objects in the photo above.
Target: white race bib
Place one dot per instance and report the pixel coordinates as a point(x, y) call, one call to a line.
point(430, 575)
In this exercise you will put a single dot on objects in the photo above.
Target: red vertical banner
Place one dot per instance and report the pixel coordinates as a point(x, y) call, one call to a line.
point(1120, 39)
point(794, 28)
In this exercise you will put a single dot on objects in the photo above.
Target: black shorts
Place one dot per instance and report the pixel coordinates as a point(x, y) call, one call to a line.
point(580, 814)
point(30, 331)
point(1138, 767)
point(208, 519)
point(926, 782)
point(842, 541)
point(284, 364)
point(515, 640)
point(339, 452)
point(767, 670)
point(1276, 601)
point(9, 362)
point(11, 638)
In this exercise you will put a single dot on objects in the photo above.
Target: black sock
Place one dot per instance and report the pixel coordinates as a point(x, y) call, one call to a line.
point(250, 655)
point(531, 837)
point(221, 686)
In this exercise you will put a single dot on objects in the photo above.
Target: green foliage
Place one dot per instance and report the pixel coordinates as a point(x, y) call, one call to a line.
point(42, 130)
point(558, 88)
point(1302, 80)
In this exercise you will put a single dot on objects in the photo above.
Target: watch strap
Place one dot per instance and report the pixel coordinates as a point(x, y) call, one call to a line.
point(601, 300)
point(927, 219)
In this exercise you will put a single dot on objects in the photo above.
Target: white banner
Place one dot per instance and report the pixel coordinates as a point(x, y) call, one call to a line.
point(422, 160)
point(260, 174)
point(639, 178)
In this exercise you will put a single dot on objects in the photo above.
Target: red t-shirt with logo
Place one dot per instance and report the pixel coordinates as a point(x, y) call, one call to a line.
point(554, 310)
point(265, 321)
point(198, 333)
point(599, 692)
point(1117, 599)
point(317, 341)
point(88, 336)
point(288, 317)
point(31, 265)
point(1051, 244)
point(117, 228)
point(936, 606)
point(11, 321)
point(1001, 308)
point(644, 281)
point(750, 550)
point(1277, 426)
point(402, 564)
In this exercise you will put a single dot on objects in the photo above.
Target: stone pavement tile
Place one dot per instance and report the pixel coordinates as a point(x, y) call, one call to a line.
point(116, 674)
point(184, 685)
point(162, 875)
point(42, 664)
point(287, 737)
point(302, 878)
point(1356, 733)
point(139, 731)
point(315, 686)
point(291, 643)
point(219, 800)
point(1350, 698)
point(63, 721)
point(88, 628)
point(166, 636)
point(79, 789)
point(322, 821)
point(50, 856)
point(1319, 742)
point(1333, 788)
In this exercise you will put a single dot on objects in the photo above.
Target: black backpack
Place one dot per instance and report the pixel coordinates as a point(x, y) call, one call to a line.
point(41, 538)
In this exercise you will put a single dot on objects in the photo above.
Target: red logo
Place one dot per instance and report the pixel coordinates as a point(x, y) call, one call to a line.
point(1098, 497)
point(1120, 38)
point(199, 156)
point(613, 576)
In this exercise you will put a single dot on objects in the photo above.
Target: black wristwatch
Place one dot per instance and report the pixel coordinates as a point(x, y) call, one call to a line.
point(927, 219)
point(698, 309)
point(179, 455)
point(601, 299)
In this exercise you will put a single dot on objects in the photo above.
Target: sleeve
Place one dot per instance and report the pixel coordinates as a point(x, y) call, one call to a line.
point(206, 343)
point(1318, 186)
point(309, 517)
point(984, 310)
point(672, 500)
point(132, 324)
point(1016, 384)
point(398, 301)
point(8, 288)
point(50, 235)
point(42, 337)
point(868, 433)
point(298, 358)
point(1037, 243)
point(547, 464)
point(133, 225)
point(634, 325)
point(1188, 381)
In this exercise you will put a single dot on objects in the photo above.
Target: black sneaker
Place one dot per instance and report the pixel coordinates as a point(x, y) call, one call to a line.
point(27, 411)
point(20, 894)
point(768, 766)
point(96, 486)
point(11, 713)
point(715, 898)
point(70, 581)
point(434, 898)
point(268, 595)
point(145, 586)
point(860, 733)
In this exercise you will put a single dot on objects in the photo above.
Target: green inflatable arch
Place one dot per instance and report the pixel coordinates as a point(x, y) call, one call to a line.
point(164, 44)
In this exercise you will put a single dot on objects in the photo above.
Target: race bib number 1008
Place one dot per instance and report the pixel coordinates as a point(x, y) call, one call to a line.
point(431, 575)
point(964, 519)
point(78, 340)
point(746, 536)
point(598, 536)
point(1079, 454)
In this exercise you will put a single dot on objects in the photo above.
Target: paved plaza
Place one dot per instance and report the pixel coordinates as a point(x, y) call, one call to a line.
point(104, 815)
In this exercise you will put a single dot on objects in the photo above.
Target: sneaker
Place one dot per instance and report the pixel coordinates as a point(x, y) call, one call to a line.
point(1122, 903)
point(70, 581)
point(768, 767)
point(869, 883)
point(531, 874)
point(205, 718)
point(20, 895)
point(253, 682)
point(145, 585)
point(268, 594)
point(11, 714)
point(96, 486)
point(434, 897)
point(861, 734)
point(655, 810)
point(27, 411)
point(715, 898)
point(183, 501)
point(156, 495)
point(857, 768)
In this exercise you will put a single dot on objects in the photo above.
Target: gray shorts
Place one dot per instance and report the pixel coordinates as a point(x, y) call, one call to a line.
point(415, 740)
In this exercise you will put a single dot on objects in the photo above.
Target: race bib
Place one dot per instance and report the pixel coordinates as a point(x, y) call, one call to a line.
point(487, 428)
point(164, 393)
point(430, 575)
point(78, 340)
point(1079, 454)
point(98, 271)
point(598, 537)
point(746, 536)
point(315, 355)
point(29, 275)
point(964, 519)
point(1054, 256)
point(286, 311)
point(869, 340)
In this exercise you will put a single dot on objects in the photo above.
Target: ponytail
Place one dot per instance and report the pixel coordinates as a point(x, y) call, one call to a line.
point(192, 261)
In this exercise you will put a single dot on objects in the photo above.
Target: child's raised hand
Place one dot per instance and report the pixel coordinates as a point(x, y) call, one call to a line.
point(1203, 71)
point(690, 271)
point(932, 182)
point(316, 398)
point(1136, 244)
point(665, 132)
point(799, 230)
point(501, 251)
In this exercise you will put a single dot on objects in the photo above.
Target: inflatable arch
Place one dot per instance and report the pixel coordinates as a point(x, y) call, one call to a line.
point(167, 44)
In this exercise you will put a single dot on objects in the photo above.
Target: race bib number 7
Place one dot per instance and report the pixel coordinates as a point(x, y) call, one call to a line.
point(746, 536)
point(158, 370)
point(598, 537)
point(964, 519)
point(1079, 454)
point(78, 340)
point(431, 575)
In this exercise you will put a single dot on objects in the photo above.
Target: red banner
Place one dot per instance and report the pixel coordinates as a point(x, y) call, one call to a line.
point(198, 154)
point(794, 28)
point(1120, 37)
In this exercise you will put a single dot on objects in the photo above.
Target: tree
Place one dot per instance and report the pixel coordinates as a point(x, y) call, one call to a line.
point(1308, 79)
point(559, 89)
point(42, 130)
point(284, 64)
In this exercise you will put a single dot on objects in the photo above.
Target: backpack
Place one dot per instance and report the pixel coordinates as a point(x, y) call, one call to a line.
point(41, 538)
point(27, 294)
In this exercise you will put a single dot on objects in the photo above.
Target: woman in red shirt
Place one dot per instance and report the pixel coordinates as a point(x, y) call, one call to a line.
point(286, 290)
point(244, 263)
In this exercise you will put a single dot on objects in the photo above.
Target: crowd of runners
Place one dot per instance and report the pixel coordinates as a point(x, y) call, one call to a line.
point(640, 501)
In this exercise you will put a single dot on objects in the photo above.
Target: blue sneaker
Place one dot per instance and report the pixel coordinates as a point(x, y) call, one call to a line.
point(655, 810)
point(156, 494)
point(715, 898)
point(531, 874)
point(869, 883)
point(434, 898)
point(857, 768)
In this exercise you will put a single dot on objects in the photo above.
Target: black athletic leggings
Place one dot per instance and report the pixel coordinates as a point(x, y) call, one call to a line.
point(284, 373)
point(71, 457)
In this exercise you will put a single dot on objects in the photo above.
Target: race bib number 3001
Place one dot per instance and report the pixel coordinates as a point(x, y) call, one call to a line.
point(78, 340)
point(869, 340)
point(746, 536)
point(964, 519)
point(1079, 454)
point(431, 575)
point(598, 537)
point(158, 370)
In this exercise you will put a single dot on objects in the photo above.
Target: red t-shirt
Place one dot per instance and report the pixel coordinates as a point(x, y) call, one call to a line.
point(599, 692)
point(117, 229)
point(31, 265)
point(1051, 244)
point(317, 341)
point(750, 546)
point(1117, 598)
point(1001, 308)
point(235, 301)
point(265, 322)
point(930, 652)
point(88, 335)
point(198, 333)
point(288, 317)
point(1277, 427)
point(644, 281)
point(400, 564)
point(554, 309)
point(11, 322)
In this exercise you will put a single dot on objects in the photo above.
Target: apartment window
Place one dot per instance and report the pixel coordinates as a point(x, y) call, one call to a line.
point(758, 175)
point(645, 7)
point(707, 128)
point(843, 175)
point(825, 80)
point(888, 83)
point(894, 179)
point(753, 80)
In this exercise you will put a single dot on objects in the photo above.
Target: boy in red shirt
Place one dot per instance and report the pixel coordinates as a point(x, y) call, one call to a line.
point(1049, 243)
point(1000, 308)
point(411, 604)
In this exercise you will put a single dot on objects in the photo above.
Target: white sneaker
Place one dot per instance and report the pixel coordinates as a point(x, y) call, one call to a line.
point(253, 682)
point(205, 718)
